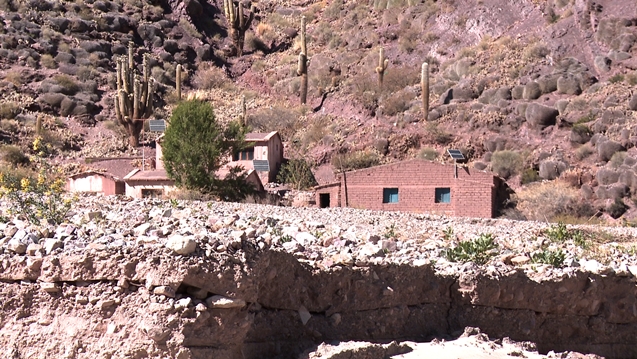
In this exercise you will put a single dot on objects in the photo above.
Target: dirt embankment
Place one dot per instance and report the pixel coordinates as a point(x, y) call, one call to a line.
point(106, 303)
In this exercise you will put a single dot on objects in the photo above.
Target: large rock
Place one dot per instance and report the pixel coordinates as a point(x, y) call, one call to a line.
point(550, 170)
point(540, 115)
point(632, 104)
point(607, 149)
point(219, 301)
point(602, 63)
point(181, 244)
point(607, 176)
point(568, 85)
point(532, 91)
point(548, 83)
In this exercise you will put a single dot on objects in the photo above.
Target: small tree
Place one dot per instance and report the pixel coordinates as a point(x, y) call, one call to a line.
point(195, 147)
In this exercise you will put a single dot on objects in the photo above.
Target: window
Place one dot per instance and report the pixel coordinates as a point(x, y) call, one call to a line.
point(443, 195)
point(245, 155)
point(390, 195)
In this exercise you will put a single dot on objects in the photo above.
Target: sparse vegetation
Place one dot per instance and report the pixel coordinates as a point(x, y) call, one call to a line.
point(617, 208)
point(297, 173)
point(552, 257)
point(355, 160)
point(478, 251)
point(428, 154)
point(616, 78)
point(506, 163)
point(543, 201)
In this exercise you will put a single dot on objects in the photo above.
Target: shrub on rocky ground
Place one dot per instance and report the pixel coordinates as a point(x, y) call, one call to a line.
point(297, 173)
point(47, 61)
point(14, 155)
point(210, 78)
point(478, 251)
point(543, 201)
point(548, 256)
point(69, 85)
point(355, 160)
point(506, 163)
point(275, 118)
point(617, 208)
point(9, 110)
point(428, 153)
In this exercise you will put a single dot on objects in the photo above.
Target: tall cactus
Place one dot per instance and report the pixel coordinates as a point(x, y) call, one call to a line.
point(134, 100)
point(424, 85)
point(383, 62)
point(302, 69)
point(238, 23)
point(178, 81)
point(38, 126)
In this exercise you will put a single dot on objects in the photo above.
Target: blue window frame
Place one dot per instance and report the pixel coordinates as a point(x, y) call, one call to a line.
point(443, 195)
point(390, 195)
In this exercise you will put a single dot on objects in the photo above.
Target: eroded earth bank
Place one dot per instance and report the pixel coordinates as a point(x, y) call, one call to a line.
point(155, 279)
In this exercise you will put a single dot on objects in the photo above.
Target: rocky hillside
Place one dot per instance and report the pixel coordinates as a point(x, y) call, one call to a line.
point(533, 90)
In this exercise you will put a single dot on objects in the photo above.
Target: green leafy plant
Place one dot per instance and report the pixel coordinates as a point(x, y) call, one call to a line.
point(390, 231)
point(286, 238)
point(448, 234)
point(558, 232)
point(478, 251)
point(552, 257)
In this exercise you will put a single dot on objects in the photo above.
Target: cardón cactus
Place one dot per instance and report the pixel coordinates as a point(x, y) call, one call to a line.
point(238, 23)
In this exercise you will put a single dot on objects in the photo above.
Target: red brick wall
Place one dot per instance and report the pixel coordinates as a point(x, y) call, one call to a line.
point(334, 190)
point(472, 193)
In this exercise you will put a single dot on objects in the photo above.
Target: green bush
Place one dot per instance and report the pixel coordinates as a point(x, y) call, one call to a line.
point(14, 155)
point(616, 78)
point(196, 146)
point(70, 86)
point(581, 129)
point(297, 173)
point(617, 159)
point(355, 160)
point(552, 257)
point(617, 209)
point(529, 175)
point(479, 250)
point(506, 163)
point(9, 110)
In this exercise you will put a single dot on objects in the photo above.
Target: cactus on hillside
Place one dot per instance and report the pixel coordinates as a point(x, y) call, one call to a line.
point(383, 62)
point(424, 86)
point(178, 81)
point(134, 99)
point(302, 68)
point(238, 23)
point(38, 126)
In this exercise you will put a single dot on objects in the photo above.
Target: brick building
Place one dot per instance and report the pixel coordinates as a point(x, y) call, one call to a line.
point(415, 186)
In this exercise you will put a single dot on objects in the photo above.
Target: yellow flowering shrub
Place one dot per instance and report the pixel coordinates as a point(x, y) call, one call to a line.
point(37, 199)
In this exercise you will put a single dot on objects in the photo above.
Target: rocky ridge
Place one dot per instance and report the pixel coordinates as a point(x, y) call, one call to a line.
point(150, 278)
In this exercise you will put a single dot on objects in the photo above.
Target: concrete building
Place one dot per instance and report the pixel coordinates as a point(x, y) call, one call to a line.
point(95, 182)
point(415, 186)
point(143, 184)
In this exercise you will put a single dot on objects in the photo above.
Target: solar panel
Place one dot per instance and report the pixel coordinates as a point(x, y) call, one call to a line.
point(157, 125)
point(261, 165)
point(456, 155)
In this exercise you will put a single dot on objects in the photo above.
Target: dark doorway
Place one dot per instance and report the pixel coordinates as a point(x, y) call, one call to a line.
point(324, 200)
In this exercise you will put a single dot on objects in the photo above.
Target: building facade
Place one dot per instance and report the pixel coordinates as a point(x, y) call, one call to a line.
point(415, 186)
point(95, 182)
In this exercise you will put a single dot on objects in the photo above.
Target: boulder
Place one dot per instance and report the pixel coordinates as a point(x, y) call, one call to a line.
point(517, 92)
point(181, 244)
point(550, 170)
point(607, 176)
point(532, 91)
point(568, 85)
point(602, 63)
point(548, 83)
point(607, 149)
point(540, 116)
point(632, 104)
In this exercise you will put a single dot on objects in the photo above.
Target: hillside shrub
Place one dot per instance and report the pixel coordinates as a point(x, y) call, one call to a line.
point(583, 151)
point(529, 175)
point(9, 110)
point(69, 85)
point(478, 251)
point(428, 153)
point(617, 159)
point(506, 163)
point(355, 160)
point(210, 78)
point(297, 173)
point(617, 208)
point(616, 78)
point(544, 201)
point(47, 61)
point(14, 155)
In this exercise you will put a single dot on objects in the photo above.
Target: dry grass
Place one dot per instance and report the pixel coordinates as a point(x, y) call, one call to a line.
point(208, 78)
point(543, 201)
point(14, 77)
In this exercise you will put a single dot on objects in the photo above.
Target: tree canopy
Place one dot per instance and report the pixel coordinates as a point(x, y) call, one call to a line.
point(196, 146)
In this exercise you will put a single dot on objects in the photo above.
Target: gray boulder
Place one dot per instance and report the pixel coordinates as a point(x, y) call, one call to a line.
point(532, 91)
point(550, 170)
point(602, 63)
point(607, 176)
point(632, 104)
point(607, 149)
point(540, 116)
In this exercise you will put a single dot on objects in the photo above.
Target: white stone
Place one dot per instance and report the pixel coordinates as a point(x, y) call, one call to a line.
point(305, 238)
point(16, 246)
point(51, 244)
point(165, 291)
point(219, 301)
point(181, 245)
point(49, 287)
point(141, 229)
point(183, 303)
